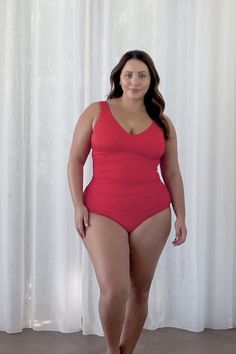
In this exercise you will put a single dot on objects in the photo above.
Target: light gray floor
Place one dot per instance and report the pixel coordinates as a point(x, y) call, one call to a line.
point(163, 341)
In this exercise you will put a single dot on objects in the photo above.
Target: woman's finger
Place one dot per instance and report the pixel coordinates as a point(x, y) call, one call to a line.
point(86, 219)
point(80, 229)
point(180, 236)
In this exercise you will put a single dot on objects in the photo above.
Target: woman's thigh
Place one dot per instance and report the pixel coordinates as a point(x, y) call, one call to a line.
point(146, 245)
point(108, 247)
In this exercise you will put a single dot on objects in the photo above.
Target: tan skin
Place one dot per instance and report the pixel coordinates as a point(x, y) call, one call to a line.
point(125, 262)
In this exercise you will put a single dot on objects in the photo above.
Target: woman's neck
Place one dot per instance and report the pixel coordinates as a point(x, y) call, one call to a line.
point(132, 105)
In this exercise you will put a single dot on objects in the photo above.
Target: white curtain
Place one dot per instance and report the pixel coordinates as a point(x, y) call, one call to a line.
point(56, 57)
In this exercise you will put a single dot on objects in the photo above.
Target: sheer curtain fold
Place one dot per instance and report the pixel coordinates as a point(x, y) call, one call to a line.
point(56, 58)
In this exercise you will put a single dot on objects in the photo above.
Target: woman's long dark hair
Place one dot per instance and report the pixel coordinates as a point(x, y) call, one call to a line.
point(153, 99)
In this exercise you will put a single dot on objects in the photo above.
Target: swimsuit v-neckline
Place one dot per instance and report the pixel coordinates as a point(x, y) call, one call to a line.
point(123, 129)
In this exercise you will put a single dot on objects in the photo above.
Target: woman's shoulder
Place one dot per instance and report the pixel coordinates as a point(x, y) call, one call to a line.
point(93, 111)
point(167, 118)
point(90, 113)
point(93, 106)
point(172, 132)
point(96, 105)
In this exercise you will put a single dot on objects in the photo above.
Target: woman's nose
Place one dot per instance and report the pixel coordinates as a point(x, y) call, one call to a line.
point(135, 79)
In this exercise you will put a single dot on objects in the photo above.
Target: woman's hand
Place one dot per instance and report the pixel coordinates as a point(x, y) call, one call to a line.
point(81, 219)
point(180, 232)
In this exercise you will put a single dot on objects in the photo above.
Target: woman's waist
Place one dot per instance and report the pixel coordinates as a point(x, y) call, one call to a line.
point(125, 171)
point(126, 176)
point(126, 187)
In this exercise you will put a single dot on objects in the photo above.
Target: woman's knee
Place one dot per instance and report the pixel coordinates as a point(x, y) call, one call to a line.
point(114, 294)
point(140, 292)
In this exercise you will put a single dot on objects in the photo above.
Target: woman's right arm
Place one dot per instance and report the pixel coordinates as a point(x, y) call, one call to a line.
point(80, 148)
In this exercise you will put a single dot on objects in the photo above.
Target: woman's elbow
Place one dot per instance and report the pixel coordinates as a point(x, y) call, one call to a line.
point(170, 175)
point(74, 163)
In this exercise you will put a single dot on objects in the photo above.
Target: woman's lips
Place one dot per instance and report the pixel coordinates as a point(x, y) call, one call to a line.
point(134, 90)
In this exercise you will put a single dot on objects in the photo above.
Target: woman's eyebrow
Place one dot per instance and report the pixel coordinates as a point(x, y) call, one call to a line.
point(129, 71)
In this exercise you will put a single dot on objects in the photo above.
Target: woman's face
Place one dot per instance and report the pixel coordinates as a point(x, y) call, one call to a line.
point(135, 79)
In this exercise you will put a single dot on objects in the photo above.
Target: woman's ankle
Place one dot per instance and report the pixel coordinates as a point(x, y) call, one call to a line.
point(113, 351)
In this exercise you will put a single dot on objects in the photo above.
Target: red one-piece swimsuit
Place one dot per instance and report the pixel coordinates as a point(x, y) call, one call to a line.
point(126, 186)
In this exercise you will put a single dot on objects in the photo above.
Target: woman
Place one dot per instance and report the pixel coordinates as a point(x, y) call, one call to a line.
point(123, 216)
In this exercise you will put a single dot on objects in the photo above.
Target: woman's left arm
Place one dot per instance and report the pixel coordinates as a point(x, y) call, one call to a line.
point(171, 174)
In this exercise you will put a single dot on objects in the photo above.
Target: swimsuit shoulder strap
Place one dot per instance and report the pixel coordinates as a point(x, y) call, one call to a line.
point(104, 110)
